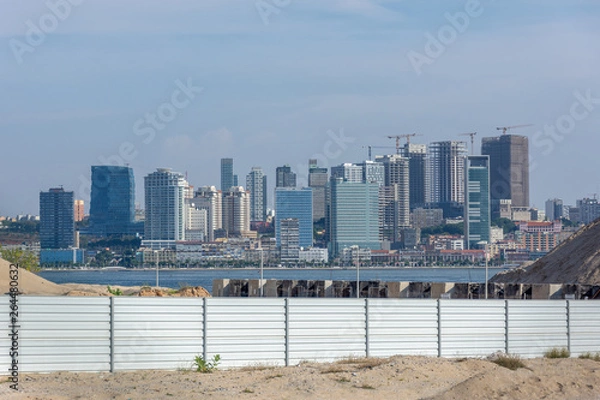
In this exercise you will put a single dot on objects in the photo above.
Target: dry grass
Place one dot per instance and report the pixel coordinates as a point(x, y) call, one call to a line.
point(333, 369)
point(590, 356)
point(556, 352)
point(364, 362)
point(257, 367)
point(511, 362)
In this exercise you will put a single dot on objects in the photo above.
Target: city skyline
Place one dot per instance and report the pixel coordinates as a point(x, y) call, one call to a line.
point(314, 80)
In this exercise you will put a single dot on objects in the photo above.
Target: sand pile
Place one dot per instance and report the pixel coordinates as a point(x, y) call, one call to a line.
point(30, 283)
point(576, 260)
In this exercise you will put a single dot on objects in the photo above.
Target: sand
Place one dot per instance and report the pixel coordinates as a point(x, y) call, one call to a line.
point(394, 378)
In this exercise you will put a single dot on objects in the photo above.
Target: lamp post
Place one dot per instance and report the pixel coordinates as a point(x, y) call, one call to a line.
point(156, 254)
point(358, 275)
point(262, 293)
point(484, 242)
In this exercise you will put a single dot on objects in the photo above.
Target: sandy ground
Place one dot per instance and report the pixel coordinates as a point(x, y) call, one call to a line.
point(394, 378)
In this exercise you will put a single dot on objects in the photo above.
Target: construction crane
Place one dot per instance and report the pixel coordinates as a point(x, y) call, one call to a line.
point(398, 137)
point(472, 134)
point(505, 129)
point(376, 147)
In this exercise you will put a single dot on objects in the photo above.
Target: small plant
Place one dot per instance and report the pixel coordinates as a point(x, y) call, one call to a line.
point(114, 292)
point(511, 362)
point(247, 391)
point(556, 352)
point(202, 365)
point(364, 362)
point(366, 386)
point(590, 356)
point(343, 379)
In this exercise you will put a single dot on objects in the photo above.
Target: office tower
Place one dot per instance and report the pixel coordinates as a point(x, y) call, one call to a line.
point(417, 168)
point(477, 201)
point(226, 174)
point(295, 203)
point(256, 184)
point(165, 208)
point(236, 211)
point(57, 225)
point(197, 222)
point(112, 206)
point(79, 210)
point(373, 171)
point(395, 198)
point(354, 215)
point(348, 172)
point(555, 209)
point(509, 169)
point(210, 199)
point(317, 181)
point(285, 177)
point(446, 175)
point(290, 240)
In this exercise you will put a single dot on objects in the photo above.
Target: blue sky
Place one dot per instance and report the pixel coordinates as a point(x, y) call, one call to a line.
point(277, 88)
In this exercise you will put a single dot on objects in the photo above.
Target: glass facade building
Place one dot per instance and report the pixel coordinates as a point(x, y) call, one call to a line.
point(227, 174)
point(295, 203)
point(477, 201)
point(112, 206)
point(57, 222)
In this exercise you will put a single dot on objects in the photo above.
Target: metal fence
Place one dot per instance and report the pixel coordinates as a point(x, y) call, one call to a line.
point(126, 333)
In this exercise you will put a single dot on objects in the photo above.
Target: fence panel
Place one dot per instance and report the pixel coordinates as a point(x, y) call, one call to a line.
point(326, 329)
point(536, 326)
point(407, 327)
point(64, 334)
point(157, 333)
point(471, 328)
point(584, 322)
point(246, 331)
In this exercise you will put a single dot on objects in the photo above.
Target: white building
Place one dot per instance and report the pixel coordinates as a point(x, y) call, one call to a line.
point(236, 211)
point(313, 255)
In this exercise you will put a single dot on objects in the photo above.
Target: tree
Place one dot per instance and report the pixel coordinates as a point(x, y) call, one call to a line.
point(24, 258)
point(506, 224)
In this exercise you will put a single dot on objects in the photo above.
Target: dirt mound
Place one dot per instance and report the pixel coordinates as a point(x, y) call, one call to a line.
point(576, 260)
point(28, 283)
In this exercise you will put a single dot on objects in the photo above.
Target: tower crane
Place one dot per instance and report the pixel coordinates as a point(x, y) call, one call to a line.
point(505, 129)
point(398, 137)
point(472, 134)
point(376, 147)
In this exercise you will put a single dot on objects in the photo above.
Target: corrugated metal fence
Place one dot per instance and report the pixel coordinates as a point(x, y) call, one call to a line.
point(121, 333)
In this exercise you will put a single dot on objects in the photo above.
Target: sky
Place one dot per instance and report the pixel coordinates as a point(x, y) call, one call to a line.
point(184, 83)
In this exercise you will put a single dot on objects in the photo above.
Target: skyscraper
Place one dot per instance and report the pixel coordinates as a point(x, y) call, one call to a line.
point(112, 206)
point(295, 203)
point(210, 199)
point(317, 181)
point(227, 180)
point(509, 169)
point(395, 196)
point(354, 215)
point(417, 168)
point(79, 210)
point(57, 225)
point(477, 200)
point(165, 208)
point(256, 184)
point(284, 177)
point(373, 171)
point(236, 211)
point(555, 209)
point(446, 170)
point(348, 172)
point(289, 235)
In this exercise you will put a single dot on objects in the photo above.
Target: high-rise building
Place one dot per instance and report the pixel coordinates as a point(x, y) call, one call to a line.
point(509, 169)
point(284, 177)
point(295, 203)
point(289, 240)
point(317, 180)
point(417, 168)
point(112, 206)
point(446, 170)
point(165, 208)
point(348, 172)
point(57, 225)
point(354, 216)
point(79, 210)
point(555, 209)
point(256, 184)
point(395, 198)
point(477, 201)
point(210, 199)
point(373, 171)
point(236, 211)
point(227, 177)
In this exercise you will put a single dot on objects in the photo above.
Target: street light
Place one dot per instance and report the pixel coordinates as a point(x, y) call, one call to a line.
point(261, 273)
point(156, 252)
point(484, 242)
point(358, 275)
